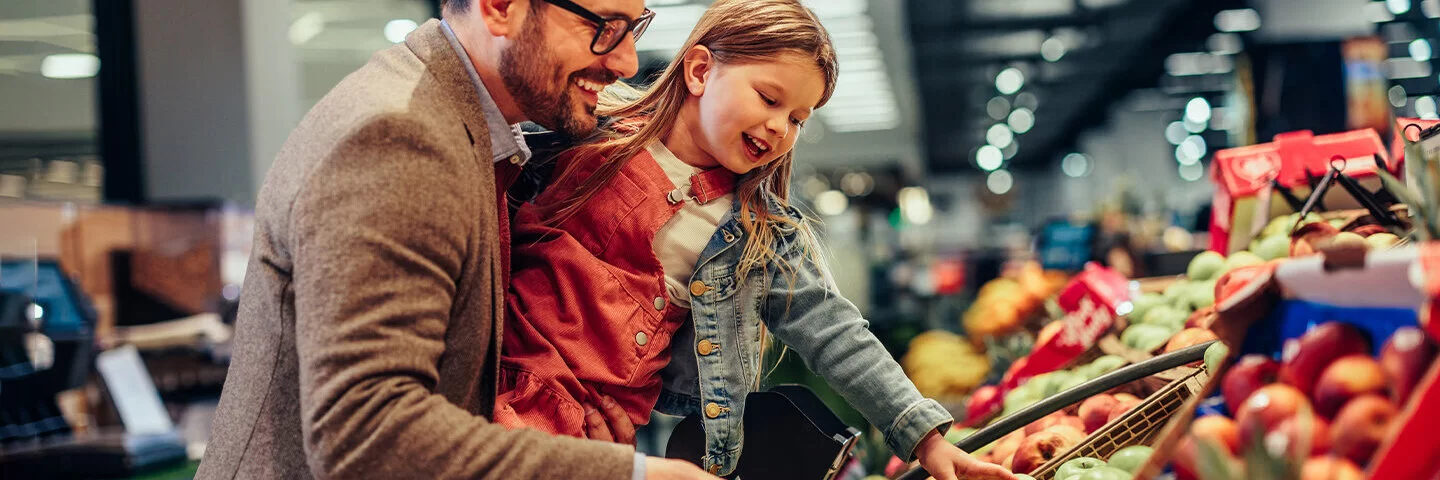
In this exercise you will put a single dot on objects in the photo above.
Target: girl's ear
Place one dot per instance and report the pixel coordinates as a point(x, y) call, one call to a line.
point(698, 63)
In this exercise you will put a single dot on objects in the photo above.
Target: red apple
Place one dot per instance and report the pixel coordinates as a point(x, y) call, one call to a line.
point(1189, 337)
point(1235, 280)
point(1361, 426)
point(1347, 378)
point(1303, 359)
point(1308, 238)
point(1406, 357)
point(1202, 318)
point(1071, 432)
point(1095, 411)
point(1006, 447)
point(1289, 432)
point(1330, 468)
point(1040, 448)
point(1072, 421)
point(1122, 406)
point(1248, 374)
point(1266, 408)
point(1044, 423)
point(1213, 429)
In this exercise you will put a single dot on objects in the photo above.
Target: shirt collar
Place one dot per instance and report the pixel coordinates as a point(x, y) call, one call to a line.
point(506, 141)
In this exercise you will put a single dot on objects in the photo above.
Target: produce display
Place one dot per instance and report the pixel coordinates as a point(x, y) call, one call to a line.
point(1320, 411)
point(944, 365)
point(1005, 304)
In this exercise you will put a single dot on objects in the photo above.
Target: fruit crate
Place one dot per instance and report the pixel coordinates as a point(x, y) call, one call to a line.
point(1140, 426)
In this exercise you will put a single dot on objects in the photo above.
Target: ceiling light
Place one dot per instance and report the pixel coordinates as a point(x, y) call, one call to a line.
point(1238, 20)
point(1011, 150)
point(1192, 172)
point(1197, 111)
point(1010, 80)
point(915, 205)
point(1397, 7)
point(1377, 12)
point(397, 29)
point(307, 27)
point(1431, 8)
point(1195, 146)
point(1175, 133)
point(831, 203)
point(1225, 44)
point(989, 158)
point(1075, 165)
point(1022, 120)
point(999, 182)
point(1420, 50)
point(1425, 107)
point(1185, 156)
point(997, 108)
point(857, 184)
point(70, 65)
point(1000, 135)
point(1397, 96)
point(1027, 100)
point(1053, 49)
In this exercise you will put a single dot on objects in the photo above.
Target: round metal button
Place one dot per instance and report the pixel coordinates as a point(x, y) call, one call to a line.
point(712, 410)
point(659, 303)
point(705, 347)
point(698, 288)
point(729, 237)
point(641, 338)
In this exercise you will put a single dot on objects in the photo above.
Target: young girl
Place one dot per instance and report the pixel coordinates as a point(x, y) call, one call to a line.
point(649, 271)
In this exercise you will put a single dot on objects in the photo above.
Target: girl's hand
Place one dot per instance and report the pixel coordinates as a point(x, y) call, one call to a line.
point(946, 462)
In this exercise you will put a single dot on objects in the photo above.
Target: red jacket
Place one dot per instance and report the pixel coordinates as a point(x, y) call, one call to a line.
point(587, 310)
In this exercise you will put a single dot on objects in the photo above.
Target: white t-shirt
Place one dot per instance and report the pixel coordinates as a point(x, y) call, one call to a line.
point(679, 242)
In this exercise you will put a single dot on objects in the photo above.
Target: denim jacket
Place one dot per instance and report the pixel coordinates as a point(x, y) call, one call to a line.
point(801, 308)
point(811, 318)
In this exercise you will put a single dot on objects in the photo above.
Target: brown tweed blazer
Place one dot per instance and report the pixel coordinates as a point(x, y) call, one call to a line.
point(366, 341)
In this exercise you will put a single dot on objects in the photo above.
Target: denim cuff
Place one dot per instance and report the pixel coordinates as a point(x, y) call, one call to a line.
point(906, 432)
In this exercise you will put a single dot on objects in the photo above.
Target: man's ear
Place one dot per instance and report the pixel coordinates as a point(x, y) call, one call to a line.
point(503, 17)
point(699, 62)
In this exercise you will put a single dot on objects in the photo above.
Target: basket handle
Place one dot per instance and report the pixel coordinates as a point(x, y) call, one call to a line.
point(1072, 396)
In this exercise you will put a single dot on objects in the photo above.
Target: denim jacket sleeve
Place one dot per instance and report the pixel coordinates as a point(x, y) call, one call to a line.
point(809, 315)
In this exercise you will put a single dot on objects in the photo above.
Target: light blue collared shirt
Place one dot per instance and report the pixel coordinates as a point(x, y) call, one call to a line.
point(507, 144)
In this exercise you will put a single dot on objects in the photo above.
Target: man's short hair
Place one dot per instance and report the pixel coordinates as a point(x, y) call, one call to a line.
point(462, 6)
point(454, 6)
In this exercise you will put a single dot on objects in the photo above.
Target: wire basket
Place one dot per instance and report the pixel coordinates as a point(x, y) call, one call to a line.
point(1140, 426)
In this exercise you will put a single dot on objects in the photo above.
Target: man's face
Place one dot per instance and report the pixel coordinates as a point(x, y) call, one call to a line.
point(551, 71)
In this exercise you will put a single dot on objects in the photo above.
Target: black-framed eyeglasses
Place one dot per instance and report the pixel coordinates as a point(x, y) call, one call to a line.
point(609, 31)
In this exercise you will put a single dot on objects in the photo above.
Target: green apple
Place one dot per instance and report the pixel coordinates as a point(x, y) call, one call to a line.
point(1201, 295)
point(1144, 303)
point(957, 434)
point(1146, 337)
point(1130, 458)
point(1105, 473)
point(1272, 247)
point(1347, 238)
point(1242, 259)
point(1077, 466)
point(1214, 354)
point(1381, 241)
point(1176, 290)
point(1167, 316)
point(1205, 266)
point(1104, 365)
point(1067, 381)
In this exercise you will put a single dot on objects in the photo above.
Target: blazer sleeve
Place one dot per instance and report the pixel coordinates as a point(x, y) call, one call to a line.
point(379, 235)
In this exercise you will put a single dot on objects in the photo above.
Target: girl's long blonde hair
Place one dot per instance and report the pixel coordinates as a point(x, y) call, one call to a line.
point(735, 31)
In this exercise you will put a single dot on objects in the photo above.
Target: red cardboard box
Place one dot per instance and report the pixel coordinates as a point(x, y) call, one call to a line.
point(1242, 177)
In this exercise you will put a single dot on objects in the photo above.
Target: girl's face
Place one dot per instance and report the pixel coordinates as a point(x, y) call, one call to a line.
point(744, 115)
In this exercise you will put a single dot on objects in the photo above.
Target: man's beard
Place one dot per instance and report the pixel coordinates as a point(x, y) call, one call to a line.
point(529, 71)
